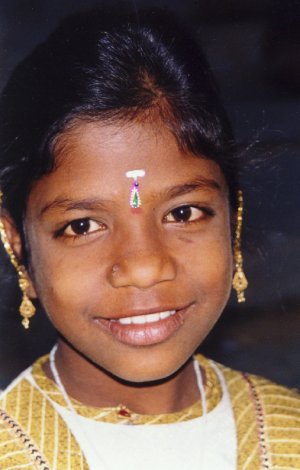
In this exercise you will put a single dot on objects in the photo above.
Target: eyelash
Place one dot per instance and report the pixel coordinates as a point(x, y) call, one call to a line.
point(62, 232)
point(101, 227)
point(206, 212)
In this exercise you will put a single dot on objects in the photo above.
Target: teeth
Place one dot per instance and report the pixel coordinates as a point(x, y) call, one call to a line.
point(142, 319)
point(148, 318)
point(164, 315)
point(125, 321)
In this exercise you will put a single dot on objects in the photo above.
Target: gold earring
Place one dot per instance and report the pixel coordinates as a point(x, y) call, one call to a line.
point(26, 309)
point(239, 282)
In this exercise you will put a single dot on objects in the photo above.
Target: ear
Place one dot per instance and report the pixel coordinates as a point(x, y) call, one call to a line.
point(15, 242)
point(12, 235)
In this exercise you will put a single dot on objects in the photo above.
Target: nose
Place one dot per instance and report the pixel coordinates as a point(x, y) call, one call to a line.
point(142, 267)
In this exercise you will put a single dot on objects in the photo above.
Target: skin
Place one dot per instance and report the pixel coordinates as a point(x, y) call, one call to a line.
point(129, 262)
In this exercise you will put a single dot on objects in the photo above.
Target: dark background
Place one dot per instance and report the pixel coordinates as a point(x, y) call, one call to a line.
point(254, 49)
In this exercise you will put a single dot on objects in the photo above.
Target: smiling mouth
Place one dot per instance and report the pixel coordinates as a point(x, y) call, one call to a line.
point(148, 318)
point(146, 329)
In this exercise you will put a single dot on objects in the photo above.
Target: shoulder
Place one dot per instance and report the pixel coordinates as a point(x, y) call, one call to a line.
point(31, 427)
point(12, 453)
point(267, 413)
point(253, 388)
point(17, 448)
point(15, 390)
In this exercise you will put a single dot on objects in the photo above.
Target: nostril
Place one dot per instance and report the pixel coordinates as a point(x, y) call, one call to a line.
point(142, 271)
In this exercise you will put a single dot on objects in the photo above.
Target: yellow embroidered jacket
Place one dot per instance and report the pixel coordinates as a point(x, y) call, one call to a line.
point(34, 436)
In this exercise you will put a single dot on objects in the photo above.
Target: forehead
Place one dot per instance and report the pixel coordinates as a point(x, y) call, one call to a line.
point(124, 146)
point(92, 159)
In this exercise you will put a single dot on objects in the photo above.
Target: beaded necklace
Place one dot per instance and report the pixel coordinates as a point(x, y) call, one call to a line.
point(260, 423)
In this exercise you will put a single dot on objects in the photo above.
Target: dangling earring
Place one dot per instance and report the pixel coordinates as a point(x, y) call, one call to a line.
point(26, 309)
point(239, 282)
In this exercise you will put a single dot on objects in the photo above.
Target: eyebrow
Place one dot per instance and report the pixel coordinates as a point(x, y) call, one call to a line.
point(67, 204)
point(196, 184)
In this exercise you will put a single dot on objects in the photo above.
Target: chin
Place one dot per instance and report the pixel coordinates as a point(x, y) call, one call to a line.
point(148, 370)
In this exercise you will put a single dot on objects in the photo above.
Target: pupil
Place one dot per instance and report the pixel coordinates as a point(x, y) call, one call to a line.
point(182, 214)
point(80, 226)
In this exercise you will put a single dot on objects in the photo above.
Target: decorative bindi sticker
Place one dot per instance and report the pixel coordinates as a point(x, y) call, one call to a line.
point(135, 197)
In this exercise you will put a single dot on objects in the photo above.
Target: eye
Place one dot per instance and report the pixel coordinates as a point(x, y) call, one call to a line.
point(185, 214)
point(81, 227)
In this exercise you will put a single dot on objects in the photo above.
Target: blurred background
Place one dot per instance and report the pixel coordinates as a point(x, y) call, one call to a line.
point(254, 50)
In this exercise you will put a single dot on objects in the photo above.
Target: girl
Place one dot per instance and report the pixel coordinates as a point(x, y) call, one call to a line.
point(122, 214)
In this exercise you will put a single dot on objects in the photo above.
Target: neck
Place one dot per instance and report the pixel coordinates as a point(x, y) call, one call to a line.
point(93, 386)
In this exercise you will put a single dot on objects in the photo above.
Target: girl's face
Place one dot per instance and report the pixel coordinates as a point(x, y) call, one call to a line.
point(133, 290)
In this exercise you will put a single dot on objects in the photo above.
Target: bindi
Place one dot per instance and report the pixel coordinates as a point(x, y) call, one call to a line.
point(134, 196)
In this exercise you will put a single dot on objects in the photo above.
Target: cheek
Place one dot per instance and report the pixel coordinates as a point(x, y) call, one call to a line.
point(212, 277)
point(219, 260)
point(64, 281)
point(209, 270)
point(208, 258)
point(217, 263)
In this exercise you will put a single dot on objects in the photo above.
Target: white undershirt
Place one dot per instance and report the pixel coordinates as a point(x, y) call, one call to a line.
point(207, 442)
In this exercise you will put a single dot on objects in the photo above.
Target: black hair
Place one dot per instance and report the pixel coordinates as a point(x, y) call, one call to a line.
point(108, 67)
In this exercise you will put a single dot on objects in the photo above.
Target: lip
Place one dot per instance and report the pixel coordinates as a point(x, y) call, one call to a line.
point(145, 334)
